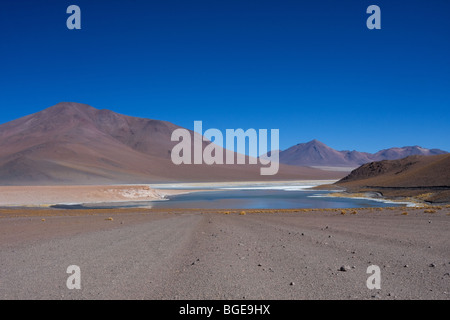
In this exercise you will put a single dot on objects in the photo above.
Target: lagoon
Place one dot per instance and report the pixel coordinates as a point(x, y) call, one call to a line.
point(266, 199)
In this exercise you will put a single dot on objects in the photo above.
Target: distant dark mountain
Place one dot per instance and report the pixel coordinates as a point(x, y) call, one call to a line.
point(399, 153)
point(316, 153)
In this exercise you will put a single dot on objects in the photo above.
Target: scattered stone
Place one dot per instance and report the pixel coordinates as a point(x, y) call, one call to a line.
point(195, 262)
point(303, 234)
point(432, 265)
point(259, 265)
point(405, 266)
point(344, 268)
point(292, 284)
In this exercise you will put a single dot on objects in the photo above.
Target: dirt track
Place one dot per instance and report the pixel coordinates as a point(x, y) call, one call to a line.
point(147, 254)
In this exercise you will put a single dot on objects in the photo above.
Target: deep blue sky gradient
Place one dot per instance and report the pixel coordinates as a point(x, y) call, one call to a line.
point(309, 68)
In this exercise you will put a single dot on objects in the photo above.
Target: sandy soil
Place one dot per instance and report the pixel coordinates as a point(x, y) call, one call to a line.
point(219, 254)
point(47, 195)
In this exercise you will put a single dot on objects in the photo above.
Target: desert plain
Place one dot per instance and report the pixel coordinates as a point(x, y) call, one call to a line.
point(145, 253)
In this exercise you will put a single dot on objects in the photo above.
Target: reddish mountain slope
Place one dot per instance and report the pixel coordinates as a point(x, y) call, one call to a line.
point(410, 176)
point(72, 143)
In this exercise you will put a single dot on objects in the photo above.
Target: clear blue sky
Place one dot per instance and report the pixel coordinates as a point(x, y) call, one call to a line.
point(309, 68)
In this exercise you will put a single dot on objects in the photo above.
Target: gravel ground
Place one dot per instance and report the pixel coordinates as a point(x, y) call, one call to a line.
point(212, 255)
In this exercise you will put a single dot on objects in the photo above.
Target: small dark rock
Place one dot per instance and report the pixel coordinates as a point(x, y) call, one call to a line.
point(344, 268)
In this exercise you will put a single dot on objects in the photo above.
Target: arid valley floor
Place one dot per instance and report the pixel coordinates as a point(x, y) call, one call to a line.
point(220, 254)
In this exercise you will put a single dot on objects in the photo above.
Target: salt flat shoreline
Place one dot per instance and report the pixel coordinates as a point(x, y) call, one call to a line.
point(133, 194)
point(69, 195)
point(225, 254)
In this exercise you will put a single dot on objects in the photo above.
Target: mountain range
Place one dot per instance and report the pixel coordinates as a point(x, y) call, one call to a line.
point(316, 153)
point(73, 143)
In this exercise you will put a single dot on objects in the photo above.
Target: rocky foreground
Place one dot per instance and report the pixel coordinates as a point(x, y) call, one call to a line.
point(218, 254)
